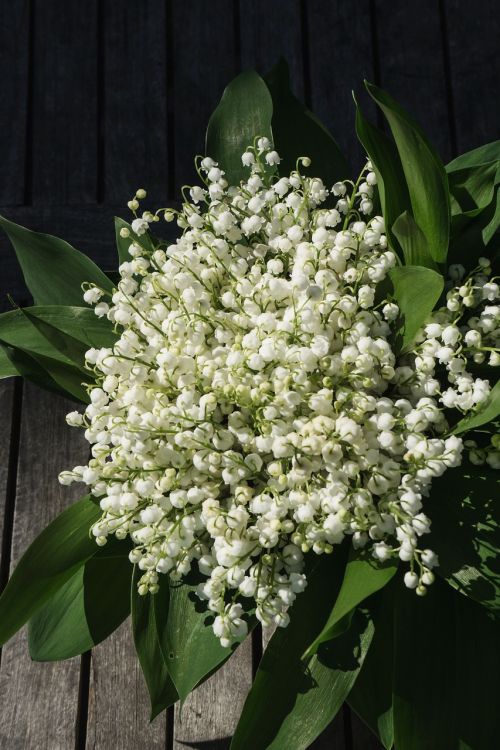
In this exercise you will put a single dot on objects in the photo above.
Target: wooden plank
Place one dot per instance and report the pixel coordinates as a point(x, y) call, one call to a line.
point(118, 699)
point(473, 31)
point(205, 60)
point(411, 64)
point(269, 31)
point(64, 111)
point(134, 100)
point(341, 56)
point(39, 701)
point(210, 714)
point(14, 61)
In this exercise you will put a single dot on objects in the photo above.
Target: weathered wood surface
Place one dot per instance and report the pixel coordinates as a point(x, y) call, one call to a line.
point(92, 104)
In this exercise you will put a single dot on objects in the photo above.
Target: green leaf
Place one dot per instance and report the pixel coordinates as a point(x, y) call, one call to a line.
point(86, 609)
point(487, 153)
point(190, 649)
point(71, 348)
point(391, 183)
point(53, 270)
point(363, 576)
point(80, 323)
point(161, 689)
point(446, 664)
point(473, 188)
point(416, 291)
point(291, 701)
point(489, 409)
point(243, 113)
point(49, 373)
point(371, 695)
point(465, 532)
point(51, 560)
point(123, 243)
point(298, 132)
point(425, 175)
point(413, 242)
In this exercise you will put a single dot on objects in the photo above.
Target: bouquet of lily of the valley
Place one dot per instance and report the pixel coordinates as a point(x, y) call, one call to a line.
point(293, 418)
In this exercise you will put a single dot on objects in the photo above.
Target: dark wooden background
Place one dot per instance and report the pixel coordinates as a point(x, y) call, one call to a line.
point(98, 98)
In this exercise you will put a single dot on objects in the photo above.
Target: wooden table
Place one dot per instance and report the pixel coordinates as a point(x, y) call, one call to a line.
point(100, 98)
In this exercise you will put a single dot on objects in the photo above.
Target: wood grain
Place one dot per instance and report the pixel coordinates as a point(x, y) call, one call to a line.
point(204, 61)
point(417, 81)
point(39, 701)
point(269, 31)
point(210, 714)
point(14, 99)
point(341, 56)
point(134, 101)
point(472, 32)
point(119, 708)
point(64, 108)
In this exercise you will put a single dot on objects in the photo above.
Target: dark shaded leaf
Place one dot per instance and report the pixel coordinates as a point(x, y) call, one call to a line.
point(391, 183)
point(416, 291)
point(298, 132)
point(243, 113)
point(53, 270)
point(51, 560)
point(446, 663)
point(86, 609)
point(425, 175)
point(291, 700)
point(371, 695)
point(465, 532)
point(363, 576)
point(190, 649)
point(161, 689)
point(412, 241)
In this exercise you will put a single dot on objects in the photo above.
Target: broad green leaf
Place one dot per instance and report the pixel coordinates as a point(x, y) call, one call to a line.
point(489, 410)
point(363, 576)
point(415, 290)
point(161, 689)
point(291, 700)
point(190, 649)
point(412, 241)
point(71, 348)
point(243, 113)
point(446, 664)
point(47, 373)
point(371, 695)
point(51, 560)
point(391, 183)
point(298, 132)
point(86, 609)
point(80, 323)
point(53, 270)
point(425, 175)
point(472, 188)
point(471, 236)
point(123, 243)
point(465, 531)
point(487, 153)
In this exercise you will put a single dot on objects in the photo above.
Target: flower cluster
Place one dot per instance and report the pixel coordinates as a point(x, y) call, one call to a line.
point(253, 410)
